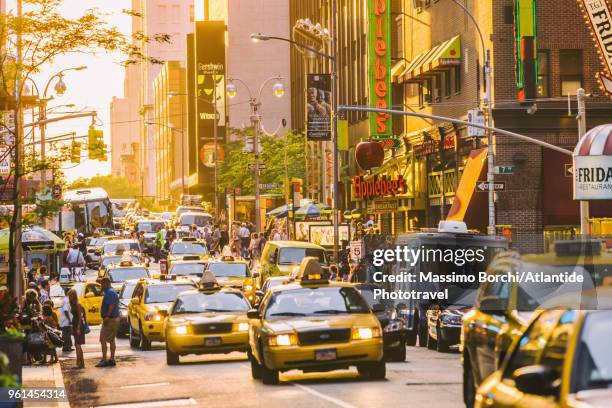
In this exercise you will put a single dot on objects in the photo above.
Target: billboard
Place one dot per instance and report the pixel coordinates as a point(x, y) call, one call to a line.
point(379, 13)
point(318, 107)
point(210, 107)
point(599, 16)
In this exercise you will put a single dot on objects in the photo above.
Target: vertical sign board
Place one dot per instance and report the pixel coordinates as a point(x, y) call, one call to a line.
point(379, 12)
point(209, 47)
point(318, 107)
point(191, 106)
point(525, 33)
point(598, 15)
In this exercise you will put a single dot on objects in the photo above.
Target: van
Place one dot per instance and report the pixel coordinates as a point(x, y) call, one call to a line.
point(280, 258)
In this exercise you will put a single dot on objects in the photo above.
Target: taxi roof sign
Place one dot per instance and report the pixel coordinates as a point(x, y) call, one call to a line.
point(209, 282)
point(166, 277)
point(310, 271)
point(227, 258)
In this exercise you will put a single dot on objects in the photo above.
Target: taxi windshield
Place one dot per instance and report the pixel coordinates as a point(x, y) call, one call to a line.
point(127, 290)
point(210, 302)
point(229, 270)
point(56, 291)
point(150, 226)
point(182, 248)
point(187, 269)
point(593, 359)
point(294, 256)
point(316, 301)
point(123, 274)
point(165, 293)
point(119, 247)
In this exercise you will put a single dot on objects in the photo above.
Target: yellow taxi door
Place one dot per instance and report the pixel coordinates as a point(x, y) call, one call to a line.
point(92, 303)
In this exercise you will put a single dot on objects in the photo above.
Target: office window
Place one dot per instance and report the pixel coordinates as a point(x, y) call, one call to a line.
point(176, 13)
point(543, 88)
point(570, 67)
point(162, 13)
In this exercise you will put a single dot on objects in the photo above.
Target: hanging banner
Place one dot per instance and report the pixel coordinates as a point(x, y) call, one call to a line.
point(380, 66)
point(599, 16)
point(318, 106)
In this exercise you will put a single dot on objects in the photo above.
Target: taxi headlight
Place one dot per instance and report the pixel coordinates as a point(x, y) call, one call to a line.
point(283, 340)
point(365, 333)
point(180, 329)
point(241, 327)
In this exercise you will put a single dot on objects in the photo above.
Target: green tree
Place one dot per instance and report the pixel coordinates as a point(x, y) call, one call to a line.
point(30, 41)
point(115, 186)
point(234, 171)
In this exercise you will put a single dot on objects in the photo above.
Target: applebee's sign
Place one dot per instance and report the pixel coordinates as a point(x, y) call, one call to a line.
point(380, 66)
point(598, 14)
point(593, 165)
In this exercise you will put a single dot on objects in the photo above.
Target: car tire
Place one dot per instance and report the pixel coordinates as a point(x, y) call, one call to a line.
point(255, 367)
point(399, 354)
point(373, 371)
point(431, 342)
point(269, 376)
point(442, 345)
point(172, 358)
point(134, 341)
point(143, 342)
point(469, 387)
point(411, 337)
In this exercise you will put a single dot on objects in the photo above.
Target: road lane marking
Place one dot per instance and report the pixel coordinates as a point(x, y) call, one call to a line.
point(333, 400)
point(144, 385)
point(153, 404)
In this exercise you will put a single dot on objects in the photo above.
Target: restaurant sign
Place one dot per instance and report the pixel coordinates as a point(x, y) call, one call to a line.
point(384, 206)
point(598, 15)
point(380, 66)
point(433, 146)
point(379, 186)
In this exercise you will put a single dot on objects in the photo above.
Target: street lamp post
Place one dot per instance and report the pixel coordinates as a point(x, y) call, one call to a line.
point(255, 103)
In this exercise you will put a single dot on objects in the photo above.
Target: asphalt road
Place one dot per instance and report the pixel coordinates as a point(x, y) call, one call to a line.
point(142, 379)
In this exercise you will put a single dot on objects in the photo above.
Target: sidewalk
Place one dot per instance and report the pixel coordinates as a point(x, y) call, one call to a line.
point(44, 376)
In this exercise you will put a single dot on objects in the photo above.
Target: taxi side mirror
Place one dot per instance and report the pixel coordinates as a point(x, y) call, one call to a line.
point(493, 304)
point(536, 380)
point(253, 314)
point(89, 295)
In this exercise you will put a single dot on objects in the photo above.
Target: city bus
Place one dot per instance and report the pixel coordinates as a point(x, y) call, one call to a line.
point(89, 209)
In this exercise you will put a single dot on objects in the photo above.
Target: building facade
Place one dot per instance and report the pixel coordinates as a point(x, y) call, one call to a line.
point(170, 132)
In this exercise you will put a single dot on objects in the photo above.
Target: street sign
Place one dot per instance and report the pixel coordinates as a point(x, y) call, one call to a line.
point(477, 117)
point(503, 170)
point(483, 186)
point(5, 161)
point(268, 186)
point(57, 191)
point(262, 166)
point(356, 250)
point(569, 170)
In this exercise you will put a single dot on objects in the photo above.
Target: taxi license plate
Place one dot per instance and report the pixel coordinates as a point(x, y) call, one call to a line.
point(212, 341)
point(325, 354)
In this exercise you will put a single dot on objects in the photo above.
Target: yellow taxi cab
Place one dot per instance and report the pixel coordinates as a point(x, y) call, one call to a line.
point(503, 309)
point(187, 249)
point(281, 258)
point(149, 298)
point(314, 325)
point(233, 273)
point(124, 270)
point(208, 320)
point(561, 360)
point(90, 296)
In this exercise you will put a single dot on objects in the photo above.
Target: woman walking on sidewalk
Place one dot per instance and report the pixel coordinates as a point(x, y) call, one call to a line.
point(78, 326)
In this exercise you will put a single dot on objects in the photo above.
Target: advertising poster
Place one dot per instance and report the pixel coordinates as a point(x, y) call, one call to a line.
point(318, 107)
point(324, 234)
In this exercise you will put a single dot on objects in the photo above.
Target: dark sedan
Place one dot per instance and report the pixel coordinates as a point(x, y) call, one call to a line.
point(394, 331)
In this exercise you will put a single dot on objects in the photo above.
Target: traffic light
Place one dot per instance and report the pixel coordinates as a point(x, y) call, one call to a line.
point(297, 185)
point(97, 147)
point(75, 152)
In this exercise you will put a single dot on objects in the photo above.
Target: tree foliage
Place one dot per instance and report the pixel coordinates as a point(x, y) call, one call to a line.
point(115, 186)
point(235, 172)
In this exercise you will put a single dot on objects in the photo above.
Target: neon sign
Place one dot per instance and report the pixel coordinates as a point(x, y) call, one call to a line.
point(380, 66)
point(597, 14)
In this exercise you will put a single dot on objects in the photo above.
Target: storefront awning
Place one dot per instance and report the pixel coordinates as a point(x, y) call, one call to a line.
point(446, 54)
point(467, 184)
point(397, 70)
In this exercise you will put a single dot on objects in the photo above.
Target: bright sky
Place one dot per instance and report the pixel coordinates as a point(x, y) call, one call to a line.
point(91, 89)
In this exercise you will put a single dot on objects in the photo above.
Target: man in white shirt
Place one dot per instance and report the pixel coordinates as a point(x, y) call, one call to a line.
point(65, 322)
point(245, 238)
point(75, 259)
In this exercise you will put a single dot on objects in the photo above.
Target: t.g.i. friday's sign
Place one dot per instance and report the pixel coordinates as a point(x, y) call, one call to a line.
point(600, 19)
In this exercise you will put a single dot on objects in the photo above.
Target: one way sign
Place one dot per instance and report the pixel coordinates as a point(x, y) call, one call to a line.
point(483, 186)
